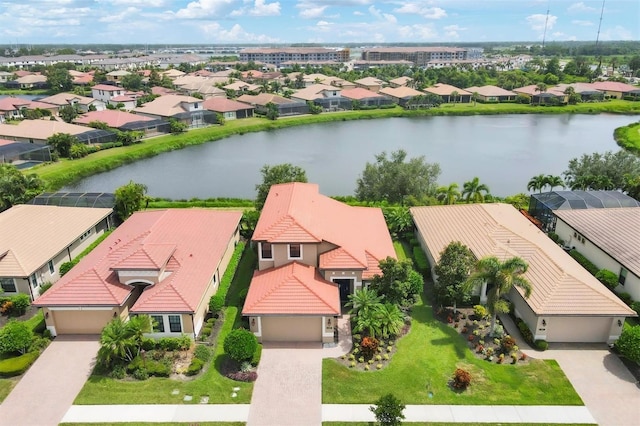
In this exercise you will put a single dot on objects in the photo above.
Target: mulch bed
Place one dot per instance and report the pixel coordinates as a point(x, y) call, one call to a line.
point(30, 313)
point(475, 331)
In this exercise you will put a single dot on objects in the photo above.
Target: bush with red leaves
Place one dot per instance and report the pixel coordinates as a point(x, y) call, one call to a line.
point(461, 379)
point(242, 376)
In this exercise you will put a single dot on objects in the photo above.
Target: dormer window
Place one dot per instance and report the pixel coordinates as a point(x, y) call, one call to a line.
point(266, 252)
point(295, 251)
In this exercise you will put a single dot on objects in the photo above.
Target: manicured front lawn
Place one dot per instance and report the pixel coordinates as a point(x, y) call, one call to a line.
point(5, 387)
point(157, 424)
point(155, 390)
point(426, 359)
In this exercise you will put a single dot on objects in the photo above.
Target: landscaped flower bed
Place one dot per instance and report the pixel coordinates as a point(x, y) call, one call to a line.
point(474, 326)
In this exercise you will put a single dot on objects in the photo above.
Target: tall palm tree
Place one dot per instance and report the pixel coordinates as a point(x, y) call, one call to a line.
point(448, 194)
point(454, 95)
point(554, 181)
point(501, 277)
point(537, 183)
point(541, 88)
point(472, 191)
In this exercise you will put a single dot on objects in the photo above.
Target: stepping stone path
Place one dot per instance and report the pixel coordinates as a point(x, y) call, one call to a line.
point(175, 392)
point(204, 400)
point(187, 398)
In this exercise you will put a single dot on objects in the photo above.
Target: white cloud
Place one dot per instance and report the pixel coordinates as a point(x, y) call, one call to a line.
point(312, 12)
point(582, 23)
point(616, 33)
point(146, 3)
point(580, 7)
point(537, 21)
point(118, 17)
point(559, 35)
point(426, 12)
point(262, 8)
point(203, 8)
point(323, 26)
point(235, 34)
point(453, 31)
point(383, 16)
point(358, 13)
point(418, 32)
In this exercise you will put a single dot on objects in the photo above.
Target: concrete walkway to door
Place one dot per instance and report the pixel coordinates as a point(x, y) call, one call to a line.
point(48, 389)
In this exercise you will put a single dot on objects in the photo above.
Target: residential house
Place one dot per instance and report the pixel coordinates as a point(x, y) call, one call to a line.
point(161, 91)
point(31, 81)
point(117, 76)
point(173, 73)
point(127, 102)
point(401, 95)
point(449, 93)
point(489, 93)
point(6, 76)
point(328, 97)
point(285, 106)
point(313, 252)
point(614, 89)
point(37, 240)
point(238, 88)
point(609, 238)
point(106, 92)
point(125, 121)
point(12, 108)
point(207, 87)
point(587, 91)
point(370, 83)
point(567, 303)
point(38, 131)
point(164, 263)
point(401, 81)
point(549, 96)
point(186, 109)
point(82, 103)
point(366, 98)
point(229, 109)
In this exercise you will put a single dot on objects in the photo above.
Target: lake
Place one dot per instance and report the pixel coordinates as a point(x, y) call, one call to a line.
point(504, 151)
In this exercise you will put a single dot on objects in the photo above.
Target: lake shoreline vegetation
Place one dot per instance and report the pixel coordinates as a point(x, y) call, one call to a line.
point(65, 171)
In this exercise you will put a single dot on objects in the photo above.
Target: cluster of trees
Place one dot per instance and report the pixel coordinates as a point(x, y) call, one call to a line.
point(16, 187)
point(605, 171)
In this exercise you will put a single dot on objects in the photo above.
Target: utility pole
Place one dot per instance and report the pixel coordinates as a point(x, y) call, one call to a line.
point(600, 23)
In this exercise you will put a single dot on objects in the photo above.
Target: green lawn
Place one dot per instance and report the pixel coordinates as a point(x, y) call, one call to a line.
point(158, 424)
point(427, 358)
point(155, 390)
point(403, 250)
point(5, 387)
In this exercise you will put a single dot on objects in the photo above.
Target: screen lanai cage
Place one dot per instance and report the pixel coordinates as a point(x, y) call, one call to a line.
point(75, 199)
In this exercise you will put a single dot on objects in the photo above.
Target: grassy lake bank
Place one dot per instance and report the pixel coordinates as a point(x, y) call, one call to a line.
point(65, 172)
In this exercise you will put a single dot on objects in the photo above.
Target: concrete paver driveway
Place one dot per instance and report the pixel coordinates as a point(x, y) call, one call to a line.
point(605, 385)
point(289, 386)
point(48, 389)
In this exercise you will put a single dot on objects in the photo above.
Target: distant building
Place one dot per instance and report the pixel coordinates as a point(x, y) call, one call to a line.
point(420, 56)
point(277, 56)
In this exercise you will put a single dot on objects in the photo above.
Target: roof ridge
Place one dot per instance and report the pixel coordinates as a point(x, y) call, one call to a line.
point(315, 271)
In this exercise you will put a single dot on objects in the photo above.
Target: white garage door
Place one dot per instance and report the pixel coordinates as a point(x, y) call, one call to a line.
point(578, 329)
point(81, 322)
point(291, 329)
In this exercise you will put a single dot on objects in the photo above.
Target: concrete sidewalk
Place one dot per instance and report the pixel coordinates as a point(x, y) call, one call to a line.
point(490, 414)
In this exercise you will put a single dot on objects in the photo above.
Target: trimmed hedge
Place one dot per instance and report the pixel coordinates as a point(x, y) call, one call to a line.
point(15, 366)
point(607, 278)
point(227, 278)
point(256, 356)
point(586, 263)
point(195, 367)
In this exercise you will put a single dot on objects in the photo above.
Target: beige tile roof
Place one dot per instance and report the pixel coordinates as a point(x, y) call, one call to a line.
point(61, 99)
point(167, 105)
point(445, 90)
point(615, 231)
point(32, 235)
point(369, 81)
point(560, 285)
point(40, 129)
point(314, 92)
point(265, 98)
point(490, 91)
point(401, 92)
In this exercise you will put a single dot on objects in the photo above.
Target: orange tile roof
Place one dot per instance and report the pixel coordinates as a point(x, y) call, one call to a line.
point(148, 241)
point(560, 285)
point(298, 213)
point(614, 86)
point(291, 289)
point(360, 93)
point(224, 105)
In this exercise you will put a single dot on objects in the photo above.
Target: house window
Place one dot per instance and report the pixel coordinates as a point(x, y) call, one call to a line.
point(158, 323)
point(623, 276)
point(33, 280)
point(8, 285)
point(295, 251)
point(52, 270)
point(175, 325)
point(85, 235)
point(265, 251)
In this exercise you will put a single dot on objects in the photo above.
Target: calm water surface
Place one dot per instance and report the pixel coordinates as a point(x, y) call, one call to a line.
point(504, 151)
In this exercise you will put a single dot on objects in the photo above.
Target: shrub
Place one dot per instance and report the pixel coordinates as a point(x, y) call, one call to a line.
point(66, 267)
point(607, 278)
point(169, 343)
point(44, 287)
point(556, 238)
point(216, 303)
point(157, 368)
point(195, 367)
point(118, 372)
point(20, 304)
point(240, 344)
point(202, 353)
point(636, 307)
point(524, 330)
point(461, 379)
point(38, 343)
point(369, 346)
point(626, 298)
point(7, 307)
point(507, 343)
point(586, 263)
point(140, 374)
point(480, 311)
point(379, 366)
point(240, 376)
point(148, 344)
point(15, 366)
point(541, 345)
point(628, 344)
point(15, 337)
point(256, 356)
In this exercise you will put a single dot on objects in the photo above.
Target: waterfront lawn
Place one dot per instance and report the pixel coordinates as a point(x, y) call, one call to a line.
point(425, 361)
point(155, 390)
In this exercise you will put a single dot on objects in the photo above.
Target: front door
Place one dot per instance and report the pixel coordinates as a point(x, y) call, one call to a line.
point(345, 289)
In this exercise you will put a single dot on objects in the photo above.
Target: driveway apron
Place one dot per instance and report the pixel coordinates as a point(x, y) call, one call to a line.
point(289, 386)
point(48, 389)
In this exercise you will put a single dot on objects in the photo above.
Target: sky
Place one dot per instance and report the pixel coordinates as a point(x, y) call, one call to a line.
point(312, 21)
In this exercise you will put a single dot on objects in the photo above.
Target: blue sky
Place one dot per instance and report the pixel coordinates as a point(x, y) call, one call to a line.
point(313, 21)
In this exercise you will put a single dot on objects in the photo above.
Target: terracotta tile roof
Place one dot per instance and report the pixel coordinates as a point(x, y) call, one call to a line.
point(107, 88)
point(532, 90)
point(224, 105)
point(264, 98)
point(241, 85)
point(360, 93)
point(314, 92)
point(401, 81)
point(489, 91)
point(40, 129)
point(13, 104)
point(291, 289)
point(560, 285)
point(401, 92)
point(445, 90)
point(369, 81)
point(150, 240)
point(167, 105)
point(32, 234)
point(297, 212)
point(113, 118)
point(614, 86)
point(616, 231)
point(62, 99)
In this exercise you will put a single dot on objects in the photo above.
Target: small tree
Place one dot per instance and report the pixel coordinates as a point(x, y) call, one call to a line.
point(129, 199)
point(629, 343)
point(216, 303)
point(272, 111)
point(15, 336)
point(68, 113)
point(176, 126)
point(62, 143)
point(272, 175)
point(59, 80)
point(608, 278)
point(388, 411)
point(453, 269)
point(240, 344)
point(15, 187)
point(132, 82)
point(399, 282)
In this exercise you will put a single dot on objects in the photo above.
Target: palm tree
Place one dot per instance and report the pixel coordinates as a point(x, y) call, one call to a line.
point(474, 98)
point(122, 340)
point(500, 277)
point(390, 319)
point(363, 301)
point(448, 194)
point(473, 191)
point(554, 181)
point(454, 95)
point(541, 87)
point(537, 183)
